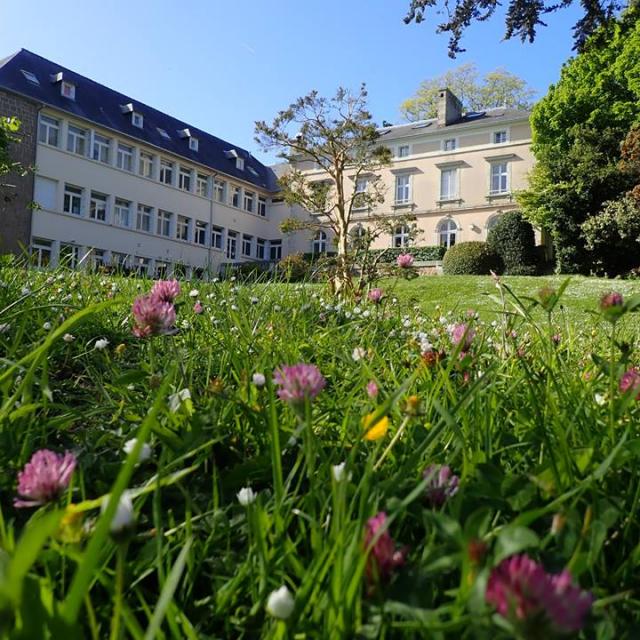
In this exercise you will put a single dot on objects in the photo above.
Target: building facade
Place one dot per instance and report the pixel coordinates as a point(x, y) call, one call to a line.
point(118, 183)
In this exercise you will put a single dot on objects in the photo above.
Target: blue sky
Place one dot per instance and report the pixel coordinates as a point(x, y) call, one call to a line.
point(221, 65)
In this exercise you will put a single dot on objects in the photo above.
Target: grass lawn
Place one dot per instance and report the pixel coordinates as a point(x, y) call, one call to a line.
point(222, 461)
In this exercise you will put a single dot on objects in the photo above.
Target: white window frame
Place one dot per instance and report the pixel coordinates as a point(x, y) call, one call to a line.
point(193, 144)
point(137, 119)
point(403, 189)
point(261, 248)
point(220, 190)
point(400, 237)
point(49, 128)
point(101, 148)
point(166, 170)
point(122, 212)
point(200, 232)
point(39, 248)
point(500, 137)
point(232, 245)
point(163, 224)
point(447, 230)
point(77, 140)
point(217, 238)
point(124, 157)
point(73, 195)
point(74, 255)
point(240, 164)
point(247, 245)
point(144, 218)
point(449, 144)
point(275, 250)
point(184, 178)
point(145, 164)
point(98, 206)
point(262, 206)
point(68, 90)
point(202, 185)
point(236, 193)
point(499, 174)
point(248, 201)
point(452, 184)
point(183, 224)
point(404, 151)
point(319, 243)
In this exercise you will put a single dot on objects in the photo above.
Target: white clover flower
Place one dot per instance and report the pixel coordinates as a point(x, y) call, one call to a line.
point(338, 472)
point(210, 295)
point(145, 452)
point(357, 311)
point(25, 291)
point(215, 280)
point(280, 603)
point(124, 517)
point(47, 326)
point(101, 344)
point(194, 293)
point(67, 337)
point(185, 324)
point(358, 354)
point(277, 307)
point(234, 307)
point(259, 380)
point(600, 399)
point(254, 300)
point(366, 313)
point(246, 496)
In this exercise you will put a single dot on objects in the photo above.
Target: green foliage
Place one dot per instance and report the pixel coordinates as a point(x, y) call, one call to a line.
point(471, 258)
point(513, 239)
point(420, 254)
point(294, 267)
point(498, 88)
point(9, 130)
point(578, 128)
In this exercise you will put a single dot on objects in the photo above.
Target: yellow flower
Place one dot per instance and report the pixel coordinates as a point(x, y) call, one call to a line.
point(376, 428)
point(71, 527)
point(120, 349)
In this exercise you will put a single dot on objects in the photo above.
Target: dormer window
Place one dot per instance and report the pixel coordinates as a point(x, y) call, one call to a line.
point(31, 77)
point(68, 90)
point(240, 164)
point(137, 119)
point(184, 133)
point(193, 144)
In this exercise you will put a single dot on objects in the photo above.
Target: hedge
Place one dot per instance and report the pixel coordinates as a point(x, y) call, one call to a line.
point(513, 239)
point(471, 258)
point(420, 254)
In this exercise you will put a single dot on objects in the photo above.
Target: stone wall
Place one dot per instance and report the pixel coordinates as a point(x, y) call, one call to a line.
point(17, 194)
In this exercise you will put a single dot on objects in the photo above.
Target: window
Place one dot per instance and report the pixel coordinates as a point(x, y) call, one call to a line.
point(163, 227)
point(143, 220)
point(449, 144)
point(275, 250)
point(49, 131)
point(400, 236)
point(68, 90)
point(125, 157)
point(357, 237)
point(219, 187)
point(184, 179)
point(499, 177)
point(145, 165)
point(162, 270)
point(260, 248)
point(41, 252)
point(30, 76)
point(101, 147)
point(137, 120)
point(240, 164)
point(216, 237)
point(97, 259)
point(193, 144)
point(98, 206)
point(492, 221)
point(163, 133)
point(200, 234)
point(262, 206)
point(202, 185)
point(141, 265)
point(77, 140)
point(45, 193)
point(232, 245)
point(403, 189)
point(119, 260)
point(359, 201)
point(121, 212)
point(403, 151)
point(447, 230)
point(247, 245)
point(448, 184)
point(166, 172)
point(235, 196)
point(182, 228)
point(72, 200)
point(319, 244)
point(249, 198)
point(69, 255)
point(499, 137)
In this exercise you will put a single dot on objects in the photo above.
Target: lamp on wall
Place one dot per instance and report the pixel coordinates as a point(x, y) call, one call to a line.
point(473, 227)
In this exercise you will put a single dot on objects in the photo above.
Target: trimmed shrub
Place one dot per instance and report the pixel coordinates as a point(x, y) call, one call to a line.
point(294, 267)
point(513, 239)
point(471, 258)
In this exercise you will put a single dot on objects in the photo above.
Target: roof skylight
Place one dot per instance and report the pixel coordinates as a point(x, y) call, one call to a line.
point(31, 77)
point(163, 133)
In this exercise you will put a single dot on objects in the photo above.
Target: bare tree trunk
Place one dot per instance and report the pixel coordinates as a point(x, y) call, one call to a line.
point(342, 284)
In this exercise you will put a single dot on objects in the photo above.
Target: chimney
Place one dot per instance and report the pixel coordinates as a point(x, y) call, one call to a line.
point(449, 108)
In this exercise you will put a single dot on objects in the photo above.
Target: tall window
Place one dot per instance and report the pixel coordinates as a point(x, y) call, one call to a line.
point(98, 206)
point(200, 233)
point(499, 137)
point(357, 236)
point(262, 206)
point(145, 168)
point(41, 252)
point(319, 244)
point(97, 259)
point(275, 250)
point(202, 184)
point(163, 228)
point(359, 201)
point(72, 202)
point(499, 177)
point(182, 228)
point(449, 144)
point(184, 179)
point(68, 90)
point(49, 131)
point(403, 151)
point(447, 231)
point(69, 255)
point(260, 248)
point(249, 199)
point(162, 269)
point(232, 245)
point(400, 236)
point(219, 187)
point(137, 120)
point(166, 172)
point(247, 245)
point(101, 147)
point(143, 220)
point(141, 265)
point(448, 184)
point(235, 196)
point(77, 140)
point(121, 212)
point(119, 260)
point(216, 237)
point(125, 157)
point(403, 189)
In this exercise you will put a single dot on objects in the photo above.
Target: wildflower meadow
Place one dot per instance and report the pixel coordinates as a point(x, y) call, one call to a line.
point(250, 460)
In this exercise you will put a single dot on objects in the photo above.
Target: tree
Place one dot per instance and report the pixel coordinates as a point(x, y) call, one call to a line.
point(9, 128)
point(339, 136)
point(578, 129)
point(497, 88)
point(522, 19)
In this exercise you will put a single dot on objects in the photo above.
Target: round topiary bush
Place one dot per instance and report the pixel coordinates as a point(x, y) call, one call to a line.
point(513, 239)
point(471, 258)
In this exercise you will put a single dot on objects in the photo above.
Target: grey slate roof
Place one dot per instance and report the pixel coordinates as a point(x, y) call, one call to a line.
point(490, 117)
point(102, 106)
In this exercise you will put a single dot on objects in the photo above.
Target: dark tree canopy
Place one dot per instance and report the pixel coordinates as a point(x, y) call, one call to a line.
point(523, 17)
